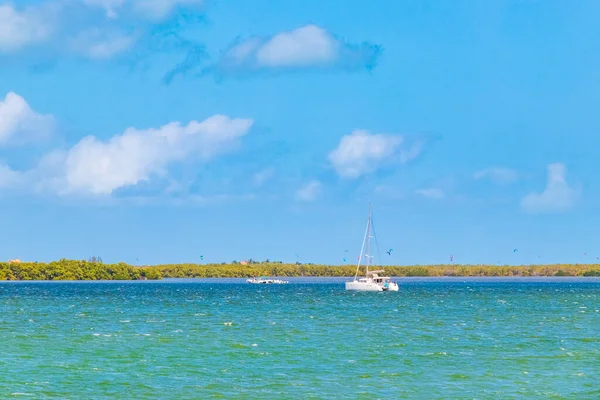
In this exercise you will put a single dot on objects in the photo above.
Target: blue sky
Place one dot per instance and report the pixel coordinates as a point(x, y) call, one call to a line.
point(162, 130)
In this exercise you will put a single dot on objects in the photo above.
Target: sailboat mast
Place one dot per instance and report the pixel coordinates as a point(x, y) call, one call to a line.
point(368, 253)
point(362, 248)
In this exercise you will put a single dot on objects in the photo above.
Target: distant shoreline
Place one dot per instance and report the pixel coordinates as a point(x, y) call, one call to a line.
point(309, 280)
point(93, 271)
point(407, 278)
point(310, 270)
point(341, 279)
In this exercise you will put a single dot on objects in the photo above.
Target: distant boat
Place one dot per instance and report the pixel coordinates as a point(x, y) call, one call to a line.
point(265, 281)
point(372, 282)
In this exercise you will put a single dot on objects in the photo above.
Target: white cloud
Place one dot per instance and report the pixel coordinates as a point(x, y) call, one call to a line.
point(432, 193)
point(155, 9)
point(97, 167)
point(19, 123)
point(100, 167)
point(497, 174)
point(310, 191)
point(21, 28)
point(362, 152)
point(96, 44)
point(557, 196)
point(307, 46)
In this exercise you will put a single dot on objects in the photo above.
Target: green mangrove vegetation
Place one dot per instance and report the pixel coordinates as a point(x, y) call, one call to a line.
point(74, 270)
point(237, 270)
point(95, 269)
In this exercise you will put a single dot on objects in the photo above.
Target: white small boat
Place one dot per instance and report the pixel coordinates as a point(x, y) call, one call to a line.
point(372, 282)
point(265, 281)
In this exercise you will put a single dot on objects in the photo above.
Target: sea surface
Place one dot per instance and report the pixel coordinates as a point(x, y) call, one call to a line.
point(448, 338)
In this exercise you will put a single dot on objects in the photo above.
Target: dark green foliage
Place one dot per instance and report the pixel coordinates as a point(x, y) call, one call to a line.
point(560, 272)
point(592, 273)
point(74, 270)
point(416, 271)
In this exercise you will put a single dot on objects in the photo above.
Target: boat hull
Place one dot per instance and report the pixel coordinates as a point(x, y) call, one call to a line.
point(370, 286)
point(363, 286)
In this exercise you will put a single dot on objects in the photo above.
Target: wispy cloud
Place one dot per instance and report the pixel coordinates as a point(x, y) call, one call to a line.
point(362, 152)
point(196, 54)
point(152, 9)
point(310, 191)
point(557, 196)
point(8, 177)
point(261, 177)
point(50, 30)
point(432, 193)
point(306, 47)
point(98, 44)
point(110, 6)
point(497, 174)
point(22, 27)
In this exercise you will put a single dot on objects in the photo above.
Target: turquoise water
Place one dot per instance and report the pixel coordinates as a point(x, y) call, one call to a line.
point(445, 338)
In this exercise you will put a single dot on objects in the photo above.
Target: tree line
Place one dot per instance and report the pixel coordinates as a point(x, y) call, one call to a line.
point(97, 270)
point(236, 270)
point(75, 270)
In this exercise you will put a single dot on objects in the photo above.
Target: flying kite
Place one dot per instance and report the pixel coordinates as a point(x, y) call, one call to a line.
point(202, 257)
point(451, 258)
point(515, 250)
point(389, 252)
point(344, 260)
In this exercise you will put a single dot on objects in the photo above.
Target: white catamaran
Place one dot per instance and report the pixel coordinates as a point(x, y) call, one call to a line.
point(372, 282)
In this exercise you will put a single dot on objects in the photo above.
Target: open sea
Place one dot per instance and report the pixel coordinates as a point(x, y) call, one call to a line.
point(446, 338)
